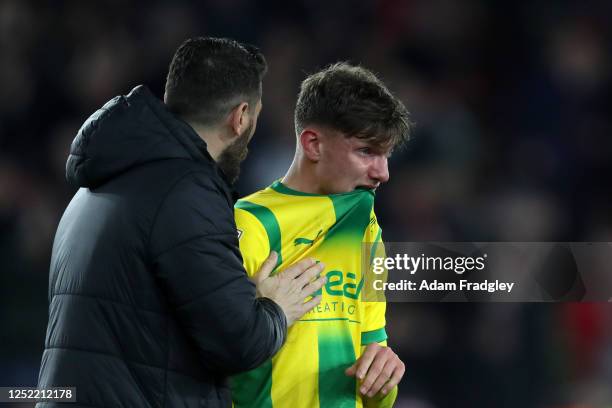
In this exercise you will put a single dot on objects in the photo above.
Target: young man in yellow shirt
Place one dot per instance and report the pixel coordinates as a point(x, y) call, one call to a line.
point(347, 123)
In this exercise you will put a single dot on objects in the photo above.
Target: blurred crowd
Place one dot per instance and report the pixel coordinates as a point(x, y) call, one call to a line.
point(512, 103)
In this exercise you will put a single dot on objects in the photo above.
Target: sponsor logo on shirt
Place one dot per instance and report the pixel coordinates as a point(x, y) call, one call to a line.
point(306, 241)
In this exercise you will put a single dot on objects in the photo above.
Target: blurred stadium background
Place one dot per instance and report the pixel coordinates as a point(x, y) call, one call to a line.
point(512, 102)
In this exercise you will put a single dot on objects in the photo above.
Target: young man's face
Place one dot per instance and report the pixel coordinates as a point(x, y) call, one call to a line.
point(348, 163)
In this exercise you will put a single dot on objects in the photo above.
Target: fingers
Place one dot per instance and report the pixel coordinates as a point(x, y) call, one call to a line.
point(313, 287)
point(297, 269)
point(364, 362)
point(309, 274)
point(351, 371)
point(383, 367)
point(384, 373)
point(267, 267)
point(374, 372)
point(307, 307)
point(384, 376)
point(395, 378)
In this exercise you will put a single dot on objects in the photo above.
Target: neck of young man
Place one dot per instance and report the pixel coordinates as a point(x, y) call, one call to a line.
point(301, 177)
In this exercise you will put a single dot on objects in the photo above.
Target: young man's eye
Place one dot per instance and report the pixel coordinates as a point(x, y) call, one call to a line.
point(365, 151)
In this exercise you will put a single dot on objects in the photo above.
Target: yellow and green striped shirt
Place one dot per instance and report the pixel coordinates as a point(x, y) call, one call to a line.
point(308, 371)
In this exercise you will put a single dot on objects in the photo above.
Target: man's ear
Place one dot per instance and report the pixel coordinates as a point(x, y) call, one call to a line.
point(239, 118)
point(310, 140)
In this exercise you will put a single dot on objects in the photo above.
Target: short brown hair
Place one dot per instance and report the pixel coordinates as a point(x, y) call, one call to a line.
point(352, 100)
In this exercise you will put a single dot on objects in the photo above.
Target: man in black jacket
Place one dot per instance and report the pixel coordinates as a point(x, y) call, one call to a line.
point(149, 303)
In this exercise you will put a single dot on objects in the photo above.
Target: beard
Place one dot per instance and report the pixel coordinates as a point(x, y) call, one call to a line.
point(234, 154)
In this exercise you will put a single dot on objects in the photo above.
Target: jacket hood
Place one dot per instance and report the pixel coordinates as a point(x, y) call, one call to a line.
point(126, 132)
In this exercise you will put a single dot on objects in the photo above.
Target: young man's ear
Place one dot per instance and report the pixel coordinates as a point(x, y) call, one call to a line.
point(310, 140)
point(239, 118)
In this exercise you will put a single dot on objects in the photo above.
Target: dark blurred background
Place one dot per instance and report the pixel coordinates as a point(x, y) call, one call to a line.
point(512, 105)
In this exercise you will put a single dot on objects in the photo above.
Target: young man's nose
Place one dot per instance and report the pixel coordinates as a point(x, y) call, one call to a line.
point(380, 170)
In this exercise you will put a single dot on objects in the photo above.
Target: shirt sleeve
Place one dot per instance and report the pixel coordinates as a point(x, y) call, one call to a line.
point(253, 240)
point(373, 328)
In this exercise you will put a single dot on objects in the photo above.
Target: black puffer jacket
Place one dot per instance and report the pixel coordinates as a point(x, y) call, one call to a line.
point(149, 303)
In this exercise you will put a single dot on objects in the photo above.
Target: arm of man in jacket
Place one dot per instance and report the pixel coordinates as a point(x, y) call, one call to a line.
point(195, 254)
